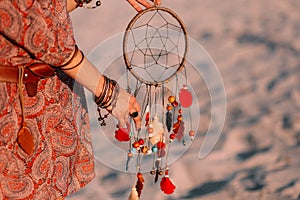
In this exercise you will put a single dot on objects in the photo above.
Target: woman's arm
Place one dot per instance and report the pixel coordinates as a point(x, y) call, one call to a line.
point(71, 5)
point(87, 75)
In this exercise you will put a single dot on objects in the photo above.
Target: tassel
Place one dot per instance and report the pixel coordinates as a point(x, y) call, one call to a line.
point(139, 184)
point(134, 194)
point(166, 184)
point(122, 135)
point(169, 120)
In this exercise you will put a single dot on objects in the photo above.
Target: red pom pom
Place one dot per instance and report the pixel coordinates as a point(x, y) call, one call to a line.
point(122, 135)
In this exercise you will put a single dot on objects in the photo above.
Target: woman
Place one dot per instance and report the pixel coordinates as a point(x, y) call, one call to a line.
point(45, 144)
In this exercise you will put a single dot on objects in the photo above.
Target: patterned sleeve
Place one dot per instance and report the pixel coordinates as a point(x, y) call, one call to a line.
point(42, 27)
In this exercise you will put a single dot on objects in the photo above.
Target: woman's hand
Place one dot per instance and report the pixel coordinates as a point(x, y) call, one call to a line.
point(145, 3)
point(126, 104)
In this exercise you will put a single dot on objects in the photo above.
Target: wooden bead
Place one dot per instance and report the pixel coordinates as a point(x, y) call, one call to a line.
point(179, 118)
point(192, 133)
point(136, 145)
point(160, 145)
point(129, 154)
point(171, 99)
point(141, 141)
point(144, 149)
point(175, 104)
point(169, 107)
point(150, 130)
point(172, 136)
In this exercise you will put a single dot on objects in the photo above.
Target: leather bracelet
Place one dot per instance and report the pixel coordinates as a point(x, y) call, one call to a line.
point(71, 59)
point(73, 67)
point(111, 96)
point(76, 51)
point(101, 97)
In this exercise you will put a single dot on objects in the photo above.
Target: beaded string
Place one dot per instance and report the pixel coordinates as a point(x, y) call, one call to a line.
point(82, 3)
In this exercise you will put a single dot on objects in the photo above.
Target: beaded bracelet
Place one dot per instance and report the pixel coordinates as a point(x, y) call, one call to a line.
point(81, 3)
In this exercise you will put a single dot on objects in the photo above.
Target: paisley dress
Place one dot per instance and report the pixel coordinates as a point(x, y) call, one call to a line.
point(40, 31)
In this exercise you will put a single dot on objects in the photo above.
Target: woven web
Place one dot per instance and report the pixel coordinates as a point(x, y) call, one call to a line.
point(156, 46)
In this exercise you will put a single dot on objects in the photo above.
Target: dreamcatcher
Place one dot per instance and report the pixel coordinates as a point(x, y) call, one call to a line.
point(154, 50)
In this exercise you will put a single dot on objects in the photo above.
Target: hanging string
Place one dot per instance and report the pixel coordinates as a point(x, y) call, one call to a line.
point(185, 74)
point(128, 82)
point(20, 87)
point(163, 102)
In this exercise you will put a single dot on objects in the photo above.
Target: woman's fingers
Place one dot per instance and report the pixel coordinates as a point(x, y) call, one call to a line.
point(146, 4)
point(157, 2)
point(135, 5)
point(134, 106)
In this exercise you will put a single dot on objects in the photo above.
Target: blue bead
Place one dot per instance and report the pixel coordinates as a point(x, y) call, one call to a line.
point(133, 150)
point(154, 149)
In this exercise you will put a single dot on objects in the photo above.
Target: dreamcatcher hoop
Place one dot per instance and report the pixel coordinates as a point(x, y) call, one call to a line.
point(163, 47)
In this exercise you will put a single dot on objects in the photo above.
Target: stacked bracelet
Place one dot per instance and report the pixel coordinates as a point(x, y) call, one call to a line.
point(107, 98)
point(108, 95)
